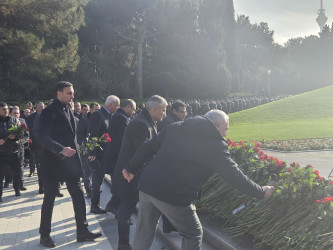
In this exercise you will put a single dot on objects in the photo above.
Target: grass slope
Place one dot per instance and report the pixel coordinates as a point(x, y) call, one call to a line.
point(308, 115)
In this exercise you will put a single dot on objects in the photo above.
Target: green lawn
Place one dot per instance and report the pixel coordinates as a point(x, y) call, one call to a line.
point(308, 115)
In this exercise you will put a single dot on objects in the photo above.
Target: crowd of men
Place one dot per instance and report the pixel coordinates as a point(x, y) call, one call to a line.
point(159, 161)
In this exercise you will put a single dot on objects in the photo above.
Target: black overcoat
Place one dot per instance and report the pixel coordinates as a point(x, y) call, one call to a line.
point(140, 129)
point(56, 131)
point(117, 126)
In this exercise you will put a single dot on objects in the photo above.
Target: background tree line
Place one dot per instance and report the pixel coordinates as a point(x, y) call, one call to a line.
point(176, 48)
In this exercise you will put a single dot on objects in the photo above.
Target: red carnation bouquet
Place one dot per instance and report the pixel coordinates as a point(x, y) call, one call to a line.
point(19, 130)
point(94, 142)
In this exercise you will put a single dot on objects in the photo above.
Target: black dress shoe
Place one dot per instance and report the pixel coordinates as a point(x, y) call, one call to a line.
point(17, 193)
point(97, 210)
point(124, 247)
point(23, 188)
point(89, 236)
point(47, 241)
point(6, 185)
point(111, 210)
point(60, 195)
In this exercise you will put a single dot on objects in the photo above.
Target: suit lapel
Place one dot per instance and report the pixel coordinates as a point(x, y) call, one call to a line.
point(65, 117)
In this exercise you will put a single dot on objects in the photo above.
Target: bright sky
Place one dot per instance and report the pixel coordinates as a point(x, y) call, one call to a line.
point(288, 18)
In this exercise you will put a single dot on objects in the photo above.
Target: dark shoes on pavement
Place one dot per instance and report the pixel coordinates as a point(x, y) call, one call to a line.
point(17, 193)
point(89, 236)
point(22, 188)
point(97, 210)
point(59, 194)
point(124, 247)
point(47, 241)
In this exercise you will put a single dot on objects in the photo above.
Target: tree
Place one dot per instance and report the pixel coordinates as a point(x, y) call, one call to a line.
point(38, 43)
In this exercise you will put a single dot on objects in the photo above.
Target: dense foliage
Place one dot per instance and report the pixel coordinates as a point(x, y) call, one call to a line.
point(176, 48)
point(298, 216)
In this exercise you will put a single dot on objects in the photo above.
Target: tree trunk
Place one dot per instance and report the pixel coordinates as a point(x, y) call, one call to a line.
point(141, 39)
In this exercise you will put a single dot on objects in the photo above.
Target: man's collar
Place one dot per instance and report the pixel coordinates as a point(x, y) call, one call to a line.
point(106, 110)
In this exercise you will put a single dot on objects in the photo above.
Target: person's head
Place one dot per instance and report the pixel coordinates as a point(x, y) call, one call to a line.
point(15, 111)
point(156, 106)
point(85, 109)
point(26, 112)
point(39, 107)
point(77, 107)
point(4, 112)
point(94, 106)
point(220, 120)
point(28, 105)
point(129, 106)
point(112, 103)
point(65, 92)
point(178, 108)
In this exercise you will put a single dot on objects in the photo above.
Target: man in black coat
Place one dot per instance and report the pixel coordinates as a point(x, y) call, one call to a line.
point(141, 128)
point(9, 149)
point(98, 126)
point(178, 113)
point(117, 126)
point(182, 157)
point(60, 162)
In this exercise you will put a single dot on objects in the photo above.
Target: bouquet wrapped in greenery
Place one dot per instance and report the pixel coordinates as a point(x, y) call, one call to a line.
point(94, 142)
point(19, 130)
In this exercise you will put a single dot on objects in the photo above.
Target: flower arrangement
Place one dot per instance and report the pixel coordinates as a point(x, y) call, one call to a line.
point(18, 130)
point(94, 142)
point(298, 216)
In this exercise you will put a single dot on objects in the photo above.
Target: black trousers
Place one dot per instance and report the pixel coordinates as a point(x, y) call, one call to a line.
point(75, 190)
point(10, 162)
point(125, 211)
point(96, 183)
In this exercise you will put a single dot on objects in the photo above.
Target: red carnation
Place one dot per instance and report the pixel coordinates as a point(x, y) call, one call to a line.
point(24, 126)
point(30, 141)
point(107, 137)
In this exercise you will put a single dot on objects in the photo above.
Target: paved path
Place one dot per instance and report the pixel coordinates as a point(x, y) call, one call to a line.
point(20, 218)
point(320, 160)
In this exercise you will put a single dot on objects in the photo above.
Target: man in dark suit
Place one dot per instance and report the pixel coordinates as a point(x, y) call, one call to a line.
point(181, 159)
point(98, 126)
point(141, 128)
point(60, 162)
point(178, 113)
point(118, 123)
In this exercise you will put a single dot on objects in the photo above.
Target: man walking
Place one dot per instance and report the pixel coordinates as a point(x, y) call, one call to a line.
point(9, 150)
point(183, 156)
point(141, 128)
point(57, 134)
point(98, 126)
point(117, 126)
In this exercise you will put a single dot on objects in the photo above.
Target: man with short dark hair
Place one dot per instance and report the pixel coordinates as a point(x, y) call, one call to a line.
point(141, 128)
point(77, 109)
point(178, 113)
point(9, 149)
point(60, 162)
point(94, 106)
point(84, 110)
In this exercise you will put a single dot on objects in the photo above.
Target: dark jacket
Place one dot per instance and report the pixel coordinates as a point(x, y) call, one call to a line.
point(57, 131)
point(82, 130)
point(10, 145)
point(98, 126)
point(186, 154)
point(169, 119)
point(117, 126)
point(140, 129)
